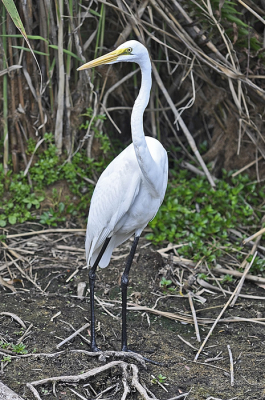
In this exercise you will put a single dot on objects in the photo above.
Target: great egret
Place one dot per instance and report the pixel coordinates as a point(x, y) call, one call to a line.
point(130, 191)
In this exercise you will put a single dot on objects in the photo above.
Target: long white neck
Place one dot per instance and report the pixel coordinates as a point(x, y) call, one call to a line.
point(144, 158)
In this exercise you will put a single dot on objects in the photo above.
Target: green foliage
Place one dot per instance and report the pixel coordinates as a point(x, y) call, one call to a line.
point(164, 283)
point(46, 170)
point(203, 276)
point(16, 348)
point(31, 144)
point(6, 359)
point(161, 379)
point(19, 348)
point(227, 279)
point(258, 264)
point(231, 19)
point(195, 215)
point(51, 217)
point(19, 202)
point(16, 199)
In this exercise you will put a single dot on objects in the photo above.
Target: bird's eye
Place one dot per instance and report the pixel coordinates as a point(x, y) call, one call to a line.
point(129, 49)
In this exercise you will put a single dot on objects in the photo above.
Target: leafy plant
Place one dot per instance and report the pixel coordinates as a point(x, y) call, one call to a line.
point(17, 201)
point(16, 348)
point(4, 345)
point(199, 218)
point(227, 278)
point(6, 359)
point(164, 283)
point(203, 276)
point(232, 20)
point(161, 379)
point(19, 348)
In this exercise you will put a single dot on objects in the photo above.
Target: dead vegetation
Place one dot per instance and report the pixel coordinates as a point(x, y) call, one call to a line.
point(208, 78)
point(44, 271)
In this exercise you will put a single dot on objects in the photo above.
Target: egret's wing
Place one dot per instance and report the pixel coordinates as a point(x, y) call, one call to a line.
point(113, 196)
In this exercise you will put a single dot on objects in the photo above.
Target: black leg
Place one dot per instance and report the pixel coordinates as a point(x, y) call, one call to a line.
point(124, 285)
point(92, 278)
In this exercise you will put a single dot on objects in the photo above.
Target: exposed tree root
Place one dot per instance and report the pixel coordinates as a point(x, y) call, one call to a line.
point(129, 380)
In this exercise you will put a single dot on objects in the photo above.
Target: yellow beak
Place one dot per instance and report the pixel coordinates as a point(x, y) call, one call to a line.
point(107, 58)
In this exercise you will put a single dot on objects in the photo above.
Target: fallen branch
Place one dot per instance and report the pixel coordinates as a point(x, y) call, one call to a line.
point(207, 285)
point(32, 233)
point(8, 394)
point(92, 372)
point(248, 266)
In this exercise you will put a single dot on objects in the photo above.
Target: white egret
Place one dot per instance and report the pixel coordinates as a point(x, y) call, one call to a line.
point(130, 191)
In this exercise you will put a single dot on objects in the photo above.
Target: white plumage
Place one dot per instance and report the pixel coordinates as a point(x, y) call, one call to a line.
point(130, 191)
point(121, 204)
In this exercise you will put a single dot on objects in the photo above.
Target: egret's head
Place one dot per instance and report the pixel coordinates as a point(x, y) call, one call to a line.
point(131, 51)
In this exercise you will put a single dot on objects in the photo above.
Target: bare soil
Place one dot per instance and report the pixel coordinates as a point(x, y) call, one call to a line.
point(57, 312)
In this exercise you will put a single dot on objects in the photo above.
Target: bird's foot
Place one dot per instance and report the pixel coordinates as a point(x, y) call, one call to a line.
point(94, 347)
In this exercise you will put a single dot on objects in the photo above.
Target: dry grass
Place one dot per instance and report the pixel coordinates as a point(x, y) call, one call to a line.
point(208, 82)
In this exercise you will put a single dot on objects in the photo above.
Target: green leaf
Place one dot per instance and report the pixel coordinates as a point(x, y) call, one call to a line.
point(68, 52)
point(12, 219)
point(12, 11)
point(2, 223)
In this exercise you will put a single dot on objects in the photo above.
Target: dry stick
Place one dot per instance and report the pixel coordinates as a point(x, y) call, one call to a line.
point(72, 336)
point(194, 318)
point(188, 319)
point(127, 30)
point(231, 365)
point(259, 233)
point(183, 125)
point(105, 309)
point(137, 385)
point(106, 390)
point(160, 384)
point(115, 86)
point(79, 334)
point(7, 285)
point(76, 393)
point(187, 343)
point(243, 264)
point(246, 167)
point(226, 70)
point(15, 317)
point(23, 273)
point(12, 251)
point(8, 394)
point(252, 11)
point(216, 281)
point(199, 33)
point(44, 231)
point(210, 366)
point(177, 260)
point(225, 307)
point(207, 285)
point(25, 334)
point(237, 274)
point(212, 63)
point(32, 354)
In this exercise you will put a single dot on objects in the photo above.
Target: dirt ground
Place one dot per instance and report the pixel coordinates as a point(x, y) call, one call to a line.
point(49, 305)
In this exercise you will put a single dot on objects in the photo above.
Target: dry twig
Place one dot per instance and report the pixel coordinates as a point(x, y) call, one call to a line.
point(223, 310)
